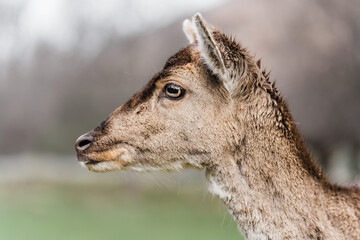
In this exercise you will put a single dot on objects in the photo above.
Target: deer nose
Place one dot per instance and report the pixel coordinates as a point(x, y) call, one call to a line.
point(84, 142)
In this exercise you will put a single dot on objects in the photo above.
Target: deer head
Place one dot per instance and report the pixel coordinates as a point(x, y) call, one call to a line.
point(190, 114)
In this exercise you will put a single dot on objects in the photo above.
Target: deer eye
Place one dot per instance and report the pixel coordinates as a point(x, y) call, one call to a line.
point(173, 91)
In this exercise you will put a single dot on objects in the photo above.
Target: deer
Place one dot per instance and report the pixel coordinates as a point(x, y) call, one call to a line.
point(213, 107)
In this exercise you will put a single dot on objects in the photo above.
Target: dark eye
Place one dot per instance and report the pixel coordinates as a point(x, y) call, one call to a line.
point(173, 91)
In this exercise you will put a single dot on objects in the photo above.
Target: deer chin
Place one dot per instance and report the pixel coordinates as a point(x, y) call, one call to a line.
point(106, 161)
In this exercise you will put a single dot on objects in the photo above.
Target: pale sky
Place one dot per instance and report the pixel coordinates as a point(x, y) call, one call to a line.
point(56, 22)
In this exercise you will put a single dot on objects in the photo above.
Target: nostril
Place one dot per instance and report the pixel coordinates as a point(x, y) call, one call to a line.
point(83, 142)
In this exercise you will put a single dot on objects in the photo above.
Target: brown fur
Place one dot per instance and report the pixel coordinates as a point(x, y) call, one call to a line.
point(233, 122)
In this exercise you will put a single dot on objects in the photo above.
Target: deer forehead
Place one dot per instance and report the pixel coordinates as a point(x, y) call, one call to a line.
point(185, 67)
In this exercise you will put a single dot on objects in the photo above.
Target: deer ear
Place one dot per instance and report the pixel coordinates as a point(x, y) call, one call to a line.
point(189, 31)
point(213, 51)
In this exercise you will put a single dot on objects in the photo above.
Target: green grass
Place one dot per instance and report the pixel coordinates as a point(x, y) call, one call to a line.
point(59, 211)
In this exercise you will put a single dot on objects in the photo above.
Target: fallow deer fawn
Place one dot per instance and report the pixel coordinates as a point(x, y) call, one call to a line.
point(212, 107)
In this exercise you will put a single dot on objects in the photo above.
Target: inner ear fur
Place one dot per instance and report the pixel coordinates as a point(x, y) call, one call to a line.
point(189, 31)
point(222, 55)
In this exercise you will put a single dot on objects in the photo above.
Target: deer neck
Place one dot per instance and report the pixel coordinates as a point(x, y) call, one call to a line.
point(272, 187)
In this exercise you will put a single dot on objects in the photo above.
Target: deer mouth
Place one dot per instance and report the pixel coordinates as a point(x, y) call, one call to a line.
point(84, 161)
point(101, 166)
point(105, 161)
point(91, 162)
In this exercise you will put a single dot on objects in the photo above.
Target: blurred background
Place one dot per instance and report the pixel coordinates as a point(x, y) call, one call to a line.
point(66, 64)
